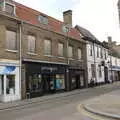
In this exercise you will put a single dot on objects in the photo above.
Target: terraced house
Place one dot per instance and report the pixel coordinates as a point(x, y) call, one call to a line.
point(38, 54)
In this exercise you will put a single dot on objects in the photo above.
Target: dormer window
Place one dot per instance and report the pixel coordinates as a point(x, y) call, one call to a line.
point(7, 7)
point(43, 19)
point(65, 29)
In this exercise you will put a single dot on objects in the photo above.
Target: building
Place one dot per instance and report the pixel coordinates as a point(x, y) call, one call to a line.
point(97, 53)
point(40, 54)
point(119, 9)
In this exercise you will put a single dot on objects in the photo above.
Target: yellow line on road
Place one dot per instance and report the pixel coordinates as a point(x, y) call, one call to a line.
point(90, 115)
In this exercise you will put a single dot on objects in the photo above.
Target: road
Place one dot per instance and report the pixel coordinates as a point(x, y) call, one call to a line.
point(65, 108)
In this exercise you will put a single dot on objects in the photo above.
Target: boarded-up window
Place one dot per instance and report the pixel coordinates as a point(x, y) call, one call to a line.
point(47, 47)
point(70, 51)
point(11, 40)
point(31, 43)
point(60, 49)
point(79, 53)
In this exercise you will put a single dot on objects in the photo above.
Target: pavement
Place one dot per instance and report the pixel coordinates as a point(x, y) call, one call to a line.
point(107, 105)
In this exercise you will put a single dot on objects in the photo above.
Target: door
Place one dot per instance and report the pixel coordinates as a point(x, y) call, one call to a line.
point(106, 74)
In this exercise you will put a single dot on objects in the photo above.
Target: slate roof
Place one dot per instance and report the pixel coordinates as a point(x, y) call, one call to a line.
point(31, 16)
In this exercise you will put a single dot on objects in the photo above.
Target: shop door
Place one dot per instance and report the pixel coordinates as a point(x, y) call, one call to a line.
point(49, 83)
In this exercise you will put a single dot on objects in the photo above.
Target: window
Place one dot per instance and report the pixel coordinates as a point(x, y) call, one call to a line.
point(9, 8)
point(79, 53)
point(70, 51)
point(11, 40)
point(99, 69)
point(43, 19)
point(47, 47)
point(65, 29)
point(97, 51)
point(60, 49)
point(93, 70)
point(101, 53)
point(91, 50)
point(10, 84)
point(31, 43)
point(105, 54)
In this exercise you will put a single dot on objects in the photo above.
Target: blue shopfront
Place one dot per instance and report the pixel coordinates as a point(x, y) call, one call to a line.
point(44, 78)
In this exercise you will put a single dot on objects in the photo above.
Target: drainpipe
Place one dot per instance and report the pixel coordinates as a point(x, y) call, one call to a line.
point(20, 56)
point(94, 62)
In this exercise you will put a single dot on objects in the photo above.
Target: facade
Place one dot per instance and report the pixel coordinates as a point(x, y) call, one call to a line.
point(41, 55)
point(119, 10)
point(97, 53)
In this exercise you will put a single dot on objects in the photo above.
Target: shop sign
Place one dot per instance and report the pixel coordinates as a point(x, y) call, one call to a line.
point(48, 69)
point(7, 69)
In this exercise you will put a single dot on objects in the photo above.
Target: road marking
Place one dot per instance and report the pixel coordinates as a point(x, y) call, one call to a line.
point(90, 115)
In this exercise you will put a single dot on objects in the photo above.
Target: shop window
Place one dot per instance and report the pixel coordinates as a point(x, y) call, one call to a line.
point(60, 84)
point(31, 43)
point(2, 84)
point(35, 83)
point(11, 40)
point(10, 84)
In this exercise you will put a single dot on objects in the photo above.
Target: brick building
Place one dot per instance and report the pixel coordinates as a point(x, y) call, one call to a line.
point(42, 54)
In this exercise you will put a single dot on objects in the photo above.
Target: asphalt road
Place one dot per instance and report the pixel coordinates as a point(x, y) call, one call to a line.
point(64, 108)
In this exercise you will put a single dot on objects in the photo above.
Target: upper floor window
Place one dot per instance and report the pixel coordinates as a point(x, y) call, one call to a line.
point(31, 43)
point(60, 49)
point(65, 29)
point(43, 19)
point(79, 53)
point(70, 51)
point(91, 50)
point(101, 53)
point(7, 7)
point(97, 51)
point(11, 40)
point(105, 53)
point(47, 47)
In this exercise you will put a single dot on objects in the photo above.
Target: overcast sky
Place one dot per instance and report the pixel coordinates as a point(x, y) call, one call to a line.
point(98, 16)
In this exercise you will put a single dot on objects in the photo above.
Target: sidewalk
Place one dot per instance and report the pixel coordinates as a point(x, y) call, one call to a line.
point(107, 105)
point(15, 104)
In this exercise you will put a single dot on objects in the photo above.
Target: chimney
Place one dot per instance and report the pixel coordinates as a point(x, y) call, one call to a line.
point(67, 16)
point(109, 39)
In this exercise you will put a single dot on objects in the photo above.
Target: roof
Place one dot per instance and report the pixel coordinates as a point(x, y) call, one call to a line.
point(87, 35)
point(31, 16)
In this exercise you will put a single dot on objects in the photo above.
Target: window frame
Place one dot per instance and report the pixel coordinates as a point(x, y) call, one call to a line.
point(29, 43)
point(70, 55)
point(61, 54)
point(79, 56)
point(47, 49)
point(14, 46)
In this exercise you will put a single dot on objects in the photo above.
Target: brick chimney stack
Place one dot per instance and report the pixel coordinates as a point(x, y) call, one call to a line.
point(67, 16)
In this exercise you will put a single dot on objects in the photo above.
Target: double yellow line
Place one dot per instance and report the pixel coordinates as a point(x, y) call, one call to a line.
point(85, 113)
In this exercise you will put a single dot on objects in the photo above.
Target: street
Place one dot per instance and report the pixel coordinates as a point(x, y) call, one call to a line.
point(65, 108)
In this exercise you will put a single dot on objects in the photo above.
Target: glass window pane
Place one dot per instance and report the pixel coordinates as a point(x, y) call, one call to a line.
point(9, 8)
point(10, 84)
point(70, 51)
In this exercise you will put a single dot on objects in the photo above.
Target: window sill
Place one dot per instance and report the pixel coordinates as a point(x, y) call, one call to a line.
point(49, 56)
point(29, 53)
point(14, 51)
point(61, 57)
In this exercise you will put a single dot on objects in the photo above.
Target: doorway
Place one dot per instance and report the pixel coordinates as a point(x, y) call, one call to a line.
point(49, 83)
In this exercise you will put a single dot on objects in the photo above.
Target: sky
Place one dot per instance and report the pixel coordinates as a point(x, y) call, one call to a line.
point(100, 17)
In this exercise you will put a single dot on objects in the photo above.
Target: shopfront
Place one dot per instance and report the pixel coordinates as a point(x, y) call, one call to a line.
point(44, 78)
point(9, 82)
point(77, 78)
